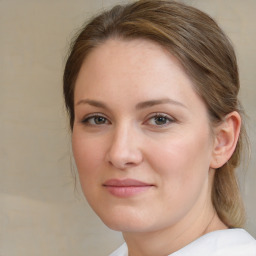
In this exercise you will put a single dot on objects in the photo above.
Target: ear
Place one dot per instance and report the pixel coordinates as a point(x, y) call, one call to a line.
point(226, 137)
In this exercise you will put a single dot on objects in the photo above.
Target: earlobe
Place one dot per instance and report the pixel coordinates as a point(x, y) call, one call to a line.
point(226, 137)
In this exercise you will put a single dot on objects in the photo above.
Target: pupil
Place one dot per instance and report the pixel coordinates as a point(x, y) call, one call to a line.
point(99, 120)
point(160, 120)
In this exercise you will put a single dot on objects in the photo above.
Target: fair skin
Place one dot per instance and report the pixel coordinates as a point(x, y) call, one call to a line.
point(144, 148)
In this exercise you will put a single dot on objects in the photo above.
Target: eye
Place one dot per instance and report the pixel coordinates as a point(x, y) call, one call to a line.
point(160, 120)
point(95, 119)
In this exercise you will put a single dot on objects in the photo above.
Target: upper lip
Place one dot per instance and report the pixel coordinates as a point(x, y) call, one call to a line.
point(125, 183)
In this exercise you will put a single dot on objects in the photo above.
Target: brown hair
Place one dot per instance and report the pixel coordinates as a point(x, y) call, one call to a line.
point(205, 53)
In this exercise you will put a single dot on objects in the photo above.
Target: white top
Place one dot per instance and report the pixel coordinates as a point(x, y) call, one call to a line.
point(228, 242)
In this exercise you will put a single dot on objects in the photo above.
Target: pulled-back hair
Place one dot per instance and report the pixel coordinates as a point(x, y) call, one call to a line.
point(206, 55)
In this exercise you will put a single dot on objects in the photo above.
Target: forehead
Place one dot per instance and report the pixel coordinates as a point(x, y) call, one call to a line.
point(132, 57)
point(132, 51)
point(136, 69)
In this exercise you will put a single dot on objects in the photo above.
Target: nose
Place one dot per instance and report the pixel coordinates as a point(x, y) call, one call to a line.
point(124, 151)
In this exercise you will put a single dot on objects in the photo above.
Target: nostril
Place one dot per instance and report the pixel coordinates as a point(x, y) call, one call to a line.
point(120, 165)
point(129, 164)
point(124, 163)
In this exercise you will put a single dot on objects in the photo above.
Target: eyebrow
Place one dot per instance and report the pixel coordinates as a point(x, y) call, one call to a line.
point(94, 103)
point(141, 105)
point(151, 103)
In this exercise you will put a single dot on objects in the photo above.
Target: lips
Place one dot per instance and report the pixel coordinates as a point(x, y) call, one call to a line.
point(126, 188)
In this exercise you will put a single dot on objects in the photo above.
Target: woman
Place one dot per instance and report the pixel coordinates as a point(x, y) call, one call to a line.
point(151, 90)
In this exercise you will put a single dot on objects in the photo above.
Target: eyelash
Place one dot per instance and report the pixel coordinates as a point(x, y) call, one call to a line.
point(87, 119)
point(154, 116)
point(161, 115)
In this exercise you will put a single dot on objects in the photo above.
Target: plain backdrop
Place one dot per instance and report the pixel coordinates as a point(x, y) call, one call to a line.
point(40, 211)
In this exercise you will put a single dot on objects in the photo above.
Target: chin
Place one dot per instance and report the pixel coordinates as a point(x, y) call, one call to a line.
point(126, 227)
point(122, 219)
point(128, 221)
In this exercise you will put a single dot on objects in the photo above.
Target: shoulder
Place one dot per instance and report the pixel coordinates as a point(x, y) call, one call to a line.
point(235, 242)
point(121, 251)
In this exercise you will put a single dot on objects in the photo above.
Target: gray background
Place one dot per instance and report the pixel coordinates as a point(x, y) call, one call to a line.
point(41, 213)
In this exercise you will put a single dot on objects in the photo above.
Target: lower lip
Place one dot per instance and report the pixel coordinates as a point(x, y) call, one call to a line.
point(127, 191)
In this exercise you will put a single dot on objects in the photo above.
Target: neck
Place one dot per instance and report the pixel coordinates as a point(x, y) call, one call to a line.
point(167, 241)
point(199, 221)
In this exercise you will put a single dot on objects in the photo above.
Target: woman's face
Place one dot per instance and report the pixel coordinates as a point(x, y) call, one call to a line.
point(141, 138)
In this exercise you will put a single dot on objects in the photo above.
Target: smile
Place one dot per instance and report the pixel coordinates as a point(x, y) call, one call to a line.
point(126, 188)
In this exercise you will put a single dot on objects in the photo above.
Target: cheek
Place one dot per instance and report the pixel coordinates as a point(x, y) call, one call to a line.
point(182, 159)
point(88, 155)
point(182, 166)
